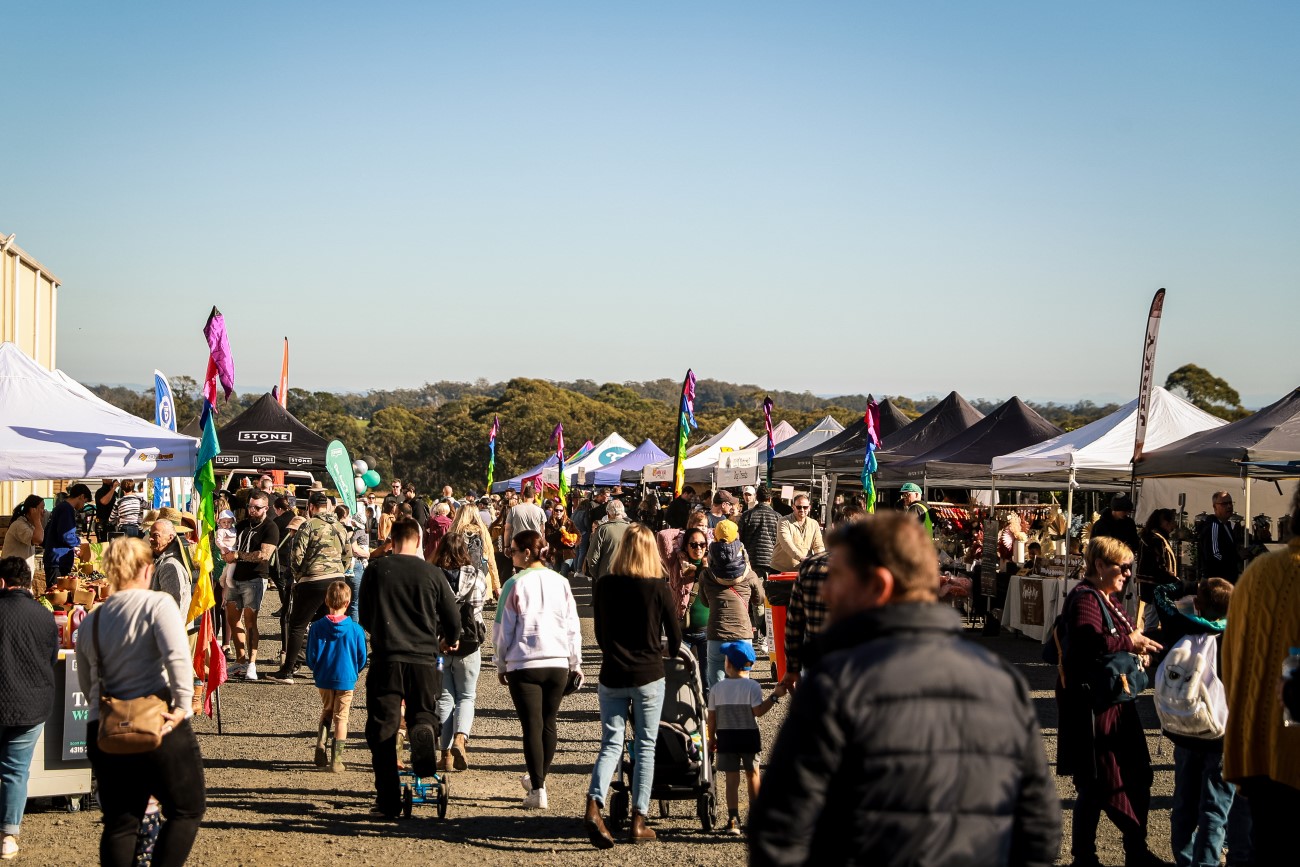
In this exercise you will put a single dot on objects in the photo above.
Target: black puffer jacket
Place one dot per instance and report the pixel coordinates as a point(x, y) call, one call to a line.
point(907, 745)
point(758, 529)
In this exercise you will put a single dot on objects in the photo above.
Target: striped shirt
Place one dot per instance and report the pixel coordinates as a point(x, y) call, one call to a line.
point(129, 509)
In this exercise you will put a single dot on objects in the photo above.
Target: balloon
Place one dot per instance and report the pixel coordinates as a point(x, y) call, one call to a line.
point(360, 467)
point(371, 478)
point(371, 461)
point(361, 485)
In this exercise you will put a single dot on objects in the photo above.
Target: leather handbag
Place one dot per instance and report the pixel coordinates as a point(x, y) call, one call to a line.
point(127, 726)
point(1113, 678)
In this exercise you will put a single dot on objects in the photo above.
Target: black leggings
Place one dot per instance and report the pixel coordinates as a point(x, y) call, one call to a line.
point(173, 774)
point(536, 693)
point(308, 605)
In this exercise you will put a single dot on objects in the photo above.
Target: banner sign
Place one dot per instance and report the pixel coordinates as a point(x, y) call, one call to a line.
point(339, 466)
point(1148, 370)
point(76, 712)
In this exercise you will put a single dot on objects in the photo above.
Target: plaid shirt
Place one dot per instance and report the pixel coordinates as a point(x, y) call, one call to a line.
point(806, 615)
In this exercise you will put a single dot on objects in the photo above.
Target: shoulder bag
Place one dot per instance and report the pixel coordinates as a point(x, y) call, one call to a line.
point(127, 726)
point(1111, 679)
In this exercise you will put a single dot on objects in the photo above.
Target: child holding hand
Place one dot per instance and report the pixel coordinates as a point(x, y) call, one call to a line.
point(734, 706)
point(336, 653)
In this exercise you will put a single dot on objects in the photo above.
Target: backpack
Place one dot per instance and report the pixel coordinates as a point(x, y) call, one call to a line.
point(1190, 698)
point(473, 632)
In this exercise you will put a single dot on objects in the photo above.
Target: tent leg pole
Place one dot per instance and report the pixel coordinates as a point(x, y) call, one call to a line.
point(216, 706)
point(1246, 526)
point(1069, 517)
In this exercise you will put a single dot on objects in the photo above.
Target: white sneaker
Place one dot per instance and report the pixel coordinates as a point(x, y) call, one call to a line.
point(535, 800)
point(9, 849)
point(250, 673)
point(527, 782)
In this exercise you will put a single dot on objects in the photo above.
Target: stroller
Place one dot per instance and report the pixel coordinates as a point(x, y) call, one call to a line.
point(683, 771)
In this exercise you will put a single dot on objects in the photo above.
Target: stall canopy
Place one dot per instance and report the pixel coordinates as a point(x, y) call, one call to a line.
point(50, 430)
point(744, 466)
point(611, 474)
point(1263, 445)
point(605, 452)
point(516, 483)
point(812, 437)
point(966, 459)
point(946, 419)
point(793, 465)
point(733, 437)
point(266, 437)
point(1102, 451)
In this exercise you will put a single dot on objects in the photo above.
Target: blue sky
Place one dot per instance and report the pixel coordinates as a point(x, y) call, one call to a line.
point(839, 197)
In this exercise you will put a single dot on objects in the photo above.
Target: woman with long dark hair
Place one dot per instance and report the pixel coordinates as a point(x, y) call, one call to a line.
point(463, 660)
point(538, 640)
point(1156, 563)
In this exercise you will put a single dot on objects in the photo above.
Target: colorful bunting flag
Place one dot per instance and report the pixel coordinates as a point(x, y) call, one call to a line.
point(492, 451)
point(557, 438)
point(685, 424)
point(771, 446)
point(869, 465)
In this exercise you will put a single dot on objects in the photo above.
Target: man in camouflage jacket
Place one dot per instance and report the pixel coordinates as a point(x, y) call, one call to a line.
point(321, 554)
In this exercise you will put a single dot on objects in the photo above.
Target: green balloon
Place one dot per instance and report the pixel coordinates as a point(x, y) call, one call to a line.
point(371, 478)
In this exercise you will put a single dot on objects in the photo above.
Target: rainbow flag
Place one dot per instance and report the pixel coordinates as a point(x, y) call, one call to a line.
point(685, 424)
point(557, 437)
point(492, 451)
point(869, 465)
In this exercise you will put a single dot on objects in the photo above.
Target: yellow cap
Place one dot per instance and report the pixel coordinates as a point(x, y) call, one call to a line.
point(726, 531)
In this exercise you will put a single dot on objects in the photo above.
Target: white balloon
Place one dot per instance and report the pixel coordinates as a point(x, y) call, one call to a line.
point(359, 467)
point(361, 485)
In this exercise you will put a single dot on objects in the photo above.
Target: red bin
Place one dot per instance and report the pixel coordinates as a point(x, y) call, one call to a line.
point(778, 588)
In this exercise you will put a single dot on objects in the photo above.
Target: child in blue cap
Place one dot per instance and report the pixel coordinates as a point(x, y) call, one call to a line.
point(734, 705)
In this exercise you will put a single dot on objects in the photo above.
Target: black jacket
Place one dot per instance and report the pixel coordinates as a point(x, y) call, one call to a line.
point(29, 649)
point(1123, 529)
point(407, 606)
point(907, 745)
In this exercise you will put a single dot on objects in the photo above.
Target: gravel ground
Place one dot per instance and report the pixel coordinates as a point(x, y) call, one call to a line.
point(269, 805)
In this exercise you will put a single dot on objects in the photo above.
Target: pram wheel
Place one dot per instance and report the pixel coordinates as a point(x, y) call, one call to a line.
point(705, 809)
point(663, 809)
point(444, 794)
point(408, 800)
point(620, 810)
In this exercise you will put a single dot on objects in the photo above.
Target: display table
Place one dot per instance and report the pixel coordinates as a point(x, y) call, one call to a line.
point(60, 764)
point(1034, 602)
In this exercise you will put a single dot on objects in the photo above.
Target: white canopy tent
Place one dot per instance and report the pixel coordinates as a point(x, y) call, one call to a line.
point(53, 428)
point(608, 450)
point(742, 466)
point(733, 437)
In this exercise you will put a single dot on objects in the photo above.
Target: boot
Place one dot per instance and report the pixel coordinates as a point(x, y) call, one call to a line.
point(336, 756)
point(321, 737)
point(445, 762)
point(401, 737)
point(640, 832)
point(458, 746)
point(596, 830)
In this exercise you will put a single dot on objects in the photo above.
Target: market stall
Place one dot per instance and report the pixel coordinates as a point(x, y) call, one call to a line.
point(611, 474)
point(743, 466)
point(267, 437)
point(806, 464)
point(941, 423)
point(734, 436)
point(603, 453)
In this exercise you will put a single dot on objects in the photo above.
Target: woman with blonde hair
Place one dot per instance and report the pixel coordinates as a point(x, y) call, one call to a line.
point(469, 524)
point(1103, 748)
point(633, 609)
point(131, 646)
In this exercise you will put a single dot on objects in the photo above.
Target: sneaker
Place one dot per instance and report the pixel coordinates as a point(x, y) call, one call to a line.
point(250, 673)
point(10, 848)
point(281, 677)
point(733, 826)
point(424, 750)
point(527, 782)
point(536, 800)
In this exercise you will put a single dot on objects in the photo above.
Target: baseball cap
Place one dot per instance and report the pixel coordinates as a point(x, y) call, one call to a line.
point(910, 488)
point(749, 489)
point(723, 497)
point(739, 653)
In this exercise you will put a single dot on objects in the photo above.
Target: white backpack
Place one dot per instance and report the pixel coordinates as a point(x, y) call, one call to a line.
point(1190, 698)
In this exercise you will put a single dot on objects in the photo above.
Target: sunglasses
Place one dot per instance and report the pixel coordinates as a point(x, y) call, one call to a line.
point(1123, 567)
point(697, 545)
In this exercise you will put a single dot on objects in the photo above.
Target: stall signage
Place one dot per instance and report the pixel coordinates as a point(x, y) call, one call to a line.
point(76, 713)
point(734, 477)
point(989, 561)
point(1031, 602)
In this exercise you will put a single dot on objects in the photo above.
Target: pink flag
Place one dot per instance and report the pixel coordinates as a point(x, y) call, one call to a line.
point(219, 345)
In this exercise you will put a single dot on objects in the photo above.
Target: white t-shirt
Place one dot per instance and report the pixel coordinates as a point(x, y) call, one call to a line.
point(734, 700)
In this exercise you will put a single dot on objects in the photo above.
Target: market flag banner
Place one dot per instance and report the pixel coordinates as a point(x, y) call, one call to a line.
point(1148, 370)
point(869, 464)
point(209, 661)
point(685, 424)
point(557, 438)
point(164, 415)
point(771, 446)
point(282, 397)
point(492, 450)
point(205, 485)
point(219, 346)
point(582, 452)
point(339, 466)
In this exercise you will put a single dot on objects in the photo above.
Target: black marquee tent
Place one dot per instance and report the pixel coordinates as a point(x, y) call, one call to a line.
point(266, 437)
point(943, 421)
point(802, 464)
point(1263, 445)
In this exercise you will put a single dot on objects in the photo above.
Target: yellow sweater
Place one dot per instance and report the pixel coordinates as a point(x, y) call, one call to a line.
point(1263, 623)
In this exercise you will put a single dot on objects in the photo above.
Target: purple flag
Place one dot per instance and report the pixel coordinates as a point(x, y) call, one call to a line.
point(219, 345)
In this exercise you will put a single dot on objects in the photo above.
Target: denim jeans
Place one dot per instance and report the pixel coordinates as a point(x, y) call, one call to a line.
point(358, 569)
point(580, 555)
point(1241, 849)
point(459, 687)
point(647, 704)
point(716, 671)
point(698, 644)
point(1202, 800)
point(16, 746)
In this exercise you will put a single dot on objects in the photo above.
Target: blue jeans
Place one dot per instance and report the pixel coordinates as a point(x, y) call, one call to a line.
point(580, 555)
point(1202, 800)
point(16, 746)
point(647, 704)
point(459, 687)
point(698, 644)
point(716, 672)
point(358, 569)
point(1240, 830)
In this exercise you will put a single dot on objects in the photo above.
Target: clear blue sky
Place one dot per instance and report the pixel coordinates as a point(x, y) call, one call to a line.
point(986, 194)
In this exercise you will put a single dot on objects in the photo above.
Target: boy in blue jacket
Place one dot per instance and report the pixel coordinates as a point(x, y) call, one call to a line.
point(336, 653)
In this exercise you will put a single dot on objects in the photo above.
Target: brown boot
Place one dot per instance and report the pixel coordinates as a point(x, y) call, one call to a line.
point(458, 745)
point(596, 830)
point(640, 832)
point(322, 739)
point(445, 762)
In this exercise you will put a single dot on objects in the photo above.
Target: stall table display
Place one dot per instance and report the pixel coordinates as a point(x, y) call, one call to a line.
point(60, 764)
point(1035, 600)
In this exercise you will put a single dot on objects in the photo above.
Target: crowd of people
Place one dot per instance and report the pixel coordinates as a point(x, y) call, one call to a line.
point(905, 742)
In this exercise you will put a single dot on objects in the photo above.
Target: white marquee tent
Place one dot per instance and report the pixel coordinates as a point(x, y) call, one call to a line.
point(608, 450)
point(50, 429)
point(733, 437)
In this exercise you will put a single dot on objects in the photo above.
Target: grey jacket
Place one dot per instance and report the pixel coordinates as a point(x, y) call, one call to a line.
point(604, 542)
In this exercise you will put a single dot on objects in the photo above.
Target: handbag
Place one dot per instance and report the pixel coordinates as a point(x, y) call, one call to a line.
point(127, 726)
point(1112, 679)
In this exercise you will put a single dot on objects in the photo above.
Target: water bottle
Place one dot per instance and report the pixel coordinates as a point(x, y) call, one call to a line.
point(1289, 667)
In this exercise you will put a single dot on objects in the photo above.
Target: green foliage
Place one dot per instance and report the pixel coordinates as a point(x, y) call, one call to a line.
point(1207, 391)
